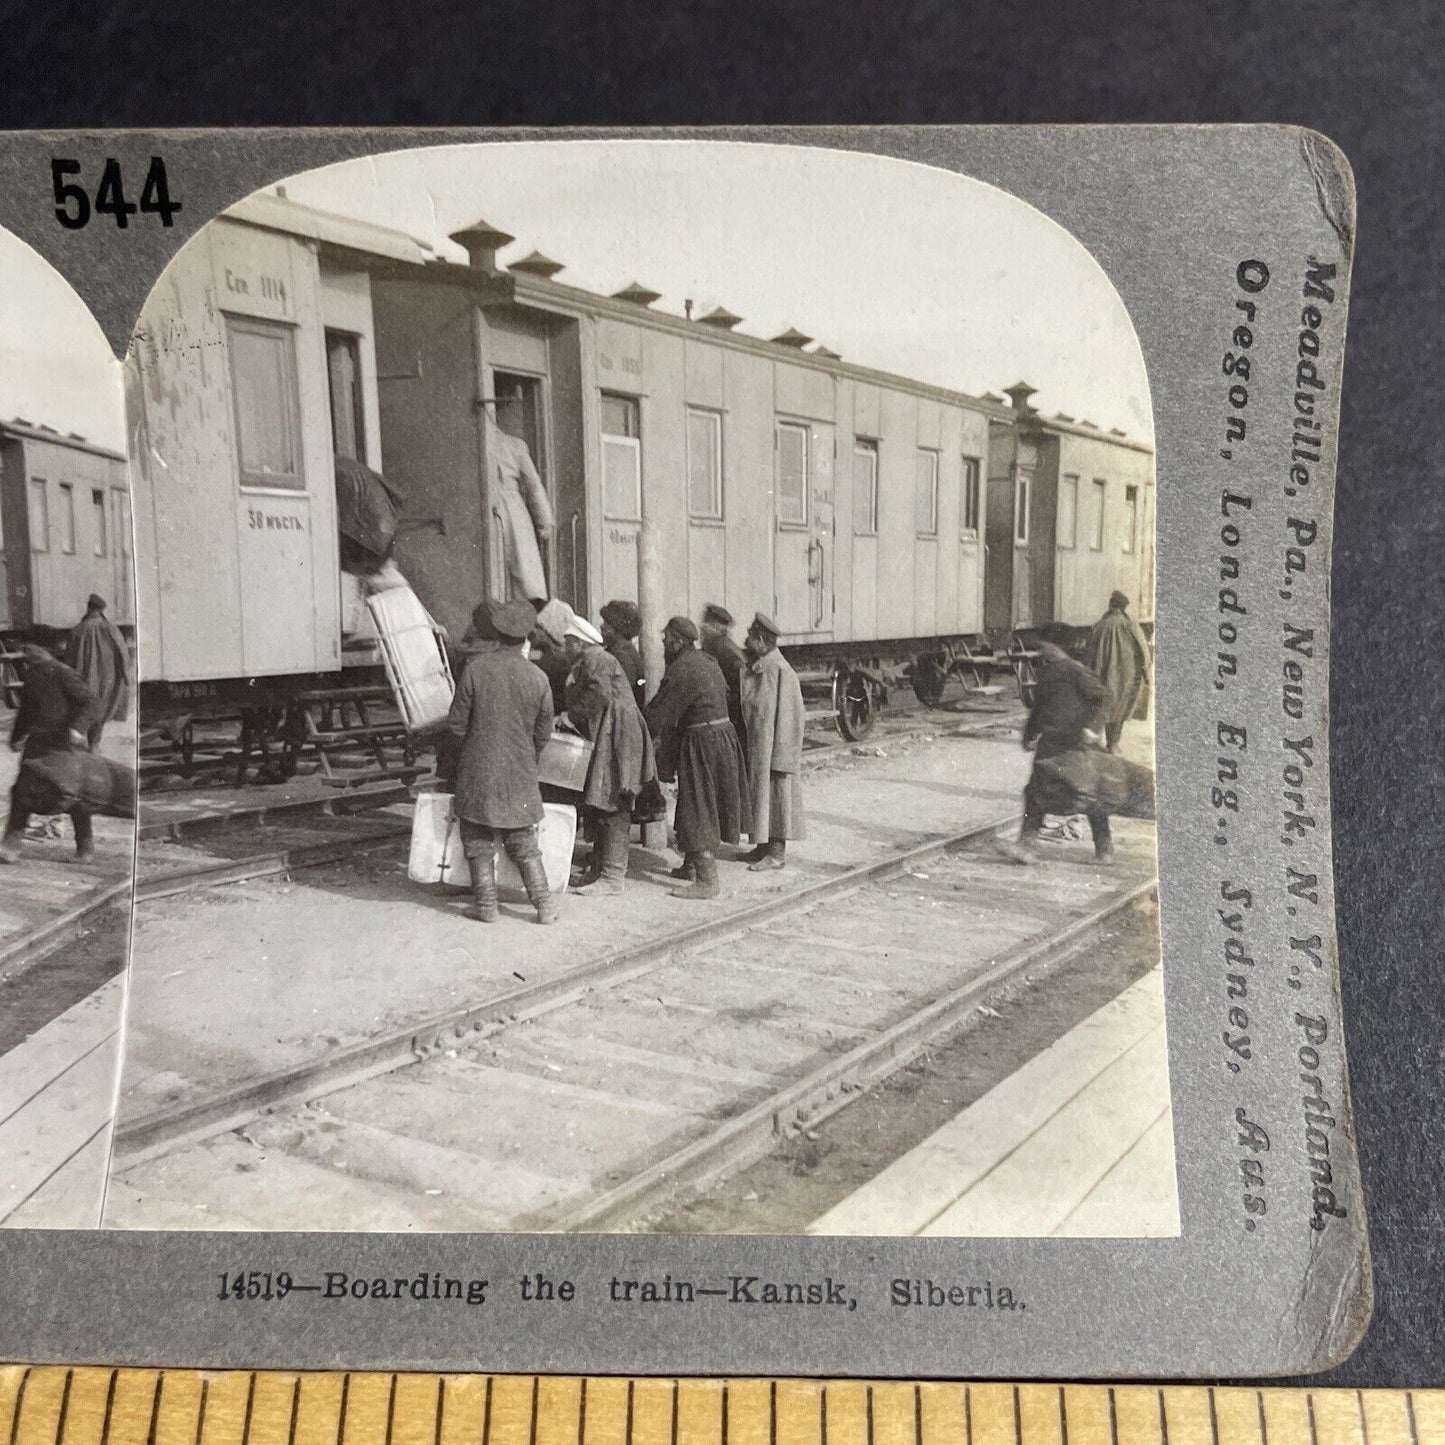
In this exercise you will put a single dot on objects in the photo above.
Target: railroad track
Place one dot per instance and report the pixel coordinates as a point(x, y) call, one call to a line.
point(602, 1098)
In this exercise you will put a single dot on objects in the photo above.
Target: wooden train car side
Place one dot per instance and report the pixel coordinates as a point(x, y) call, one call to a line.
point(65, 530)
point(687, 464)
point(252, 366)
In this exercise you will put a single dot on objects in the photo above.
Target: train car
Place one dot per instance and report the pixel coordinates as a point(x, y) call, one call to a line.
point(685, 461)
point(1071, 519)
point(65, 531)
point(688, 463)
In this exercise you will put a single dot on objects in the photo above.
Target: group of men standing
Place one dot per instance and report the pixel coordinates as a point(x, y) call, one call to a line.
point(725, 724)
point(64, 706)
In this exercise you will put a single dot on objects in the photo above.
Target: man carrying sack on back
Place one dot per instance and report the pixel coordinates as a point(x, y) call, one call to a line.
point(502, 718)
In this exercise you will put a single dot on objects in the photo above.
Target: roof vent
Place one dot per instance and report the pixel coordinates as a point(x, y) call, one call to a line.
point(482, 242)
point(792, 337)
point(1115, 431)
point(1062, 416)
point(637, 294)
point(537, 265)
point(1018, 395)
point(827, 353)
point(720, 317)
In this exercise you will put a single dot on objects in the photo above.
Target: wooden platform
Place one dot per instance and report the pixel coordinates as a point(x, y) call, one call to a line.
point(1078, 1142)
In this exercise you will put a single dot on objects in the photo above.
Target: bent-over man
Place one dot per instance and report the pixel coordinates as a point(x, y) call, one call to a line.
point(97, 651)
point(57, 711)
point(1119, 655)
point(601, 706)
point(772, 700)
point(696, 744)
point(1067, 712)
point(717, 642)
point(502, 716)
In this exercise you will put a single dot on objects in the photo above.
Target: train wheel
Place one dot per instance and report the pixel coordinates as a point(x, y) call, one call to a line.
point(929, 679)
point(854, 704)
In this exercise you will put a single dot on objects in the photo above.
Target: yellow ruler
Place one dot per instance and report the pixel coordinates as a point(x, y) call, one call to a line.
point(56, 1406)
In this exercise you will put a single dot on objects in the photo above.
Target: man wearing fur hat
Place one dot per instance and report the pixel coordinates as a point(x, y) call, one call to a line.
point(501, 716)
point(621, 627)
point(600, 706)
point(696, 744)
point(772, 701)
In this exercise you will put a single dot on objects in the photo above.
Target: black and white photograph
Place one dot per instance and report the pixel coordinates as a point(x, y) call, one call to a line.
point(645, 711)
point(67, 745)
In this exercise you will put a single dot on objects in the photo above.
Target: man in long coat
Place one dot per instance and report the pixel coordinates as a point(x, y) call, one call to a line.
point(57, 711)
point(501, 716)
point(772, 700)
point(1068, 711)
point(97, 651)
point(1119, 654)
point(717, 642)
point(601, 706)
point(621, 627)
point(520, 502)
point(697, 745)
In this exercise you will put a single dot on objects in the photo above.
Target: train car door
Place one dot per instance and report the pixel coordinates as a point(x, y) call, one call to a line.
point(803, 529)
point(1023, 572)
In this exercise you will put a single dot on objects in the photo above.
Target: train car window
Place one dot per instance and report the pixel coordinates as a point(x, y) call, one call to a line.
point(865, 487)
point(100, 542)
point(1099, 489)
point(972, 497)
point(1068, 530)
point(67, 519)
point(267, 403)
point(704, 465)
point(621, 458)
point(39, 515)
point(791, 448)
point(1131, 518)
point(343, 376)
point(1021, 509)
point(926, 496)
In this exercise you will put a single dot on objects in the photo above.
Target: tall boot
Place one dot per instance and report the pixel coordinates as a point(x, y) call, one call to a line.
point(534, 877)
point(772, 859)
point(484, 888)
point(614, 847)
point(706, 886)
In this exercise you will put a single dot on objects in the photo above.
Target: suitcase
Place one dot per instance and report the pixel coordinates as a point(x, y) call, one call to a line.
point(436, 846)
point(56, 780)
point(416, 662)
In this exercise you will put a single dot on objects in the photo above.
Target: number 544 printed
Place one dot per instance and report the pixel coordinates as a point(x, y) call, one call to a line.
point(74, 207)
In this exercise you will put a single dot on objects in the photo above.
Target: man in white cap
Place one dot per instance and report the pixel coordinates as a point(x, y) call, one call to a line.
point(601, 706)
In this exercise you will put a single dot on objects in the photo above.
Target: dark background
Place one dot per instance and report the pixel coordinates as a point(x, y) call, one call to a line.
point(1369, 75)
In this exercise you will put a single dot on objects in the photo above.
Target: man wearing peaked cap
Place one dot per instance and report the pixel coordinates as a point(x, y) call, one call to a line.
point(501, 715)
point(696, 744)
point(773, 712)
point(717, 642)
point(621, 624)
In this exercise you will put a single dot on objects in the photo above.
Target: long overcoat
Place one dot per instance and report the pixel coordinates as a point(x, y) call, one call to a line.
point(772, 700)
point(600, 704)
point(501, 715)
point(97, 651)
point(520, 501)
point(1119, 656)
point(696, 743)
point(734, 662)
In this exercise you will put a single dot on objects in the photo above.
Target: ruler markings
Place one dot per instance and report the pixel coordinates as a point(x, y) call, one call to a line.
point(200, 1413)
point(968, 1412)
point(156, 1409)
point(250, 1407)
point(1164, 1418)
point(64, 1412)
point(19, 1406)
point(441, 1409)
point(110, 1409)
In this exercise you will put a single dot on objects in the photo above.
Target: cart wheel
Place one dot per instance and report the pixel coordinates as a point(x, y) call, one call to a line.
point(929, 679)
point(1028, 680)
point(854, 705)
